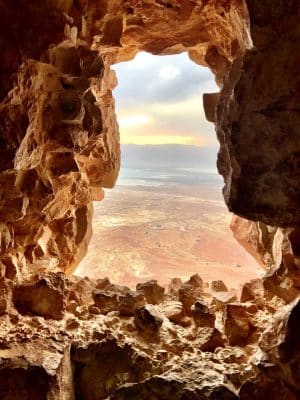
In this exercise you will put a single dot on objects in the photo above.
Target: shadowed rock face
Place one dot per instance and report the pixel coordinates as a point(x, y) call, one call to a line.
point(70, 338)
point(24, 384)
point(258, 119)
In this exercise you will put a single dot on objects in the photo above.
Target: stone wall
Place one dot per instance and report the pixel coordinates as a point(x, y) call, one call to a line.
point(69, 338)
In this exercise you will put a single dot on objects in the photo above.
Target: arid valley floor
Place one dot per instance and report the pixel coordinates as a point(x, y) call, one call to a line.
point(162, 232)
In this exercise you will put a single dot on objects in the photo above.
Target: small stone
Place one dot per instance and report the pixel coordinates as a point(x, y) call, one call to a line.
point(106, 301)
point(174, 311)
point(153, 292)
point(71, 306)
point(237, 324)
point(94, 310)
point(174, 286)
point(188, 295)
point(72, 324)
point(211, 339)
point(102, 283)
point(220, 299)
point(196, 281)
point(146, 318)
point(202, 315)
point(252, 290)
point(130, 302)
point(218, 286)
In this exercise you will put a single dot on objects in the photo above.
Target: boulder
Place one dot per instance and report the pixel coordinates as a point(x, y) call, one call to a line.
point(252, 291)
point(174, 286)
point(41, 296)
point(196, 281)
point(210, 339)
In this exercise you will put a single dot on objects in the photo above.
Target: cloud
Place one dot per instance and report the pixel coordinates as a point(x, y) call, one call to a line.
point(151, 78)
point(135, 120)
point(159, 100)
point(169, 72)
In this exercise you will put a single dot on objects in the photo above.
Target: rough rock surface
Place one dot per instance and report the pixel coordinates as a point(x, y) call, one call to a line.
point(226, 354)
point(64, 338)
point(258, 117)
point(59, 134)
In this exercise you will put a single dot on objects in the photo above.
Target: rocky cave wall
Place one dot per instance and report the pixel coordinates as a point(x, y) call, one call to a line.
point(59, 135)
point(83, 339)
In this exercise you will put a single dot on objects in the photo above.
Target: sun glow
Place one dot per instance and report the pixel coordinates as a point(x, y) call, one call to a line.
point(128, 138)
point(132, 121)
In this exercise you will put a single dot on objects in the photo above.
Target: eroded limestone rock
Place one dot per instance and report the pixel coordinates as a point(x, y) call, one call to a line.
point(153, 292)
point(202, 315)
point(41, 296)
point(238, 325)
point(60, 146)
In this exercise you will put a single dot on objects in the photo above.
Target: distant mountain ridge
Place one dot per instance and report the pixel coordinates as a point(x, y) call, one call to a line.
point(168, 155)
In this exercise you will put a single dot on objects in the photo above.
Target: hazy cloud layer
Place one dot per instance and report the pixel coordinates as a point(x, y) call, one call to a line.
point(160, 97)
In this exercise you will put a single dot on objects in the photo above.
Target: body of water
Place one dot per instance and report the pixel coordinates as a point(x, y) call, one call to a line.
point(159, 176)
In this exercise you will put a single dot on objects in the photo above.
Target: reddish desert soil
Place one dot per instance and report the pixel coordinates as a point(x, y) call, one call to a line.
point(143, 233)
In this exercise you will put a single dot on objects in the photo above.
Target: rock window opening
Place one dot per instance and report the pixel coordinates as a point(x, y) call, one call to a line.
point(166, 216)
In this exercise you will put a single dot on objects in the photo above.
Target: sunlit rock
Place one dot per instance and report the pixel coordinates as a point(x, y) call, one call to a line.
point(174, 311)
point(188, 295)
point(218, 286)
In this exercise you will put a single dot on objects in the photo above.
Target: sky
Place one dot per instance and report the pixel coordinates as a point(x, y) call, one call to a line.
point(159, 101)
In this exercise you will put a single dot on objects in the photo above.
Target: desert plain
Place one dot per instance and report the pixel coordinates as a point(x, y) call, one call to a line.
point(166, 231)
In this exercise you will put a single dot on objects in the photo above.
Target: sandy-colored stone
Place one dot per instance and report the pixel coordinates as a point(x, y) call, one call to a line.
point(174, 286)
point(153, 292)
point(211, 339)
point(188, 295)
point(106, 301)
point(148, 319)
point(220, 299)
point(130, 301)
point(174, 311)
point(41, 296)
point(218, 286)
point(202, 315)
point(252, 291)
point(237, 324)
